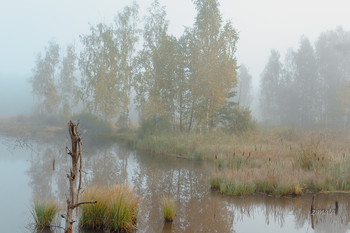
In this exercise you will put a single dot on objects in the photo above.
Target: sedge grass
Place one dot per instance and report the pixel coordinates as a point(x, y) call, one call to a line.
point(93, 216)
point(122, 209)
point(116, 209)
point(44, 213)
point(168, 206)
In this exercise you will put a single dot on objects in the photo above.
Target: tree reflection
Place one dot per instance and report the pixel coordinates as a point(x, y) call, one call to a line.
point(41, 173)
point(198, 209)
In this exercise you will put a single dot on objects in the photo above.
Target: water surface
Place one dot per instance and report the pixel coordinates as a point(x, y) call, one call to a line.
point(37, 169)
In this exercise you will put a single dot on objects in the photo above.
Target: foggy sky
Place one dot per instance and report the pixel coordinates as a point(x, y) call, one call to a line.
point(27, 26)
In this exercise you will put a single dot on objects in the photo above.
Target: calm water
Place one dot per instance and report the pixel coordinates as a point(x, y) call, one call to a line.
point(37, 169)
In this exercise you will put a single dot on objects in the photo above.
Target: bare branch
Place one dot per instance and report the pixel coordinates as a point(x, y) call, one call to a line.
point(84, 203)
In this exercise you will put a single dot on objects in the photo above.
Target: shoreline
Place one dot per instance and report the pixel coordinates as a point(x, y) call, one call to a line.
point(284, 162)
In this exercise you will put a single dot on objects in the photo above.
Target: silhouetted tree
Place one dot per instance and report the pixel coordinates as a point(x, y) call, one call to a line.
point(270, 83)
point(68, 81)
point(307, 84)
point(44, 84)
point(244, 87)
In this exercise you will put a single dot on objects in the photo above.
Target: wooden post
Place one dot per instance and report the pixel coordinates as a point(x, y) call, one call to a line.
point(336, 208)
point(311, 212)
point(312, 204)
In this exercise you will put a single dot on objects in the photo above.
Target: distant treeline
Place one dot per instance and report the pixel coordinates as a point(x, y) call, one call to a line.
point(187, 83)
point(312, 87)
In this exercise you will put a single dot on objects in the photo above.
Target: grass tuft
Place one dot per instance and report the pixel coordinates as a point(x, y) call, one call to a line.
point(116, 209)
point(44, 213)
point(168, 206)
point(122, 209)
point(93, 216)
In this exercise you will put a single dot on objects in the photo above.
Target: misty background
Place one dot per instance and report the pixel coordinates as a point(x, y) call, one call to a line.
point(262, 25)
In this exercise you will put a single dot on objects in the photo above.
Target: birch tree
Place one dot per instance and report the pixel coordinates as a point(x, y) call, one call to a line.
point(44, 84)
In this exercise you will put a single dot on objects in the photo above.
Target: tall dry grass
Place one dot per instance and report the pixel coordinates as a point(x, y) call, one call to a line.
point(279, 162)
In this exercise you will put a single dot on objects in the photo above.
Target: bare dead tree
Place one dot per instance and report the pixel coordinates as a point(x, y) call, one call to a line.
point(73, 176)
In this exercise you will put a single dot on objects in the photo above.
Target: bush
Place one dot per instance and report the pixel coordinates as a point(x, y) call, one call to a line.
point(236, 119)
point(153, 126)
point(92, 124)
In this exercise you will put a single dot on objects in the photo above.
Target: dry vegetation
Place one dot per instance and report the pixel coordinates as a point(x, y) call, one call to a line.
point(277, 162)
point(285, 162)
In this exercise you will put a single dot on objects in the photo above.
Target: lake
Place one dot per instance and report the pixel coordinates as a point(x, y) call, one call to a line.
point(32, 169)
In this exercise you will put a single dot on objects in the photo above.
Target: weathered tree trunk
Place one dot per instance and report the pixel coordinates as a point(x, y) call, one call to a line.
point(72, 198)
point(73, 176)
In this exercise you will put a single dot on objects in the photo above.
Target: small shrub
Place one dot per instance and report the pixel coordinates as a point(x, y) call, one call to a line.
point(154, 126)
point(44, 213)
point(92, 124)
point(237, 119)
point(168, 206)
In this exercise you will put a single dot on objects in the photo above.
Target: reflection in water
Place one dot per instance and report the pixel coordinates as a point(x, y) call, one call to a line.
point(198, 209)
point(329, 217)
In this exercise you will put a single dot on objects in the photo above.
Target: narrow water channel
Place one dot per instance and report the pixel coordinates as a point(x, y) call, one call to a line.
point(37, 169)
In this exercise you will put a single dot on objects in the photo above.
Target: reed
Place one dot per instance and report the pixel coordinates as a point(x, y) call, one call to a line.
point(168, 206)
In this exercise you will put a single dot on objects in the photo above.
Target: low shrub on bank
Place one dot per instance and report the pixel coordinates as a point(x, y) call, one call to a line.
point(91, 124)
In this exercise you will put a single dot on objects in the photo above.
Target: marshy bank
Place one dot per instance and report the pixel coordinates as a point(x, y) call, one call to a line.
point(277, 162)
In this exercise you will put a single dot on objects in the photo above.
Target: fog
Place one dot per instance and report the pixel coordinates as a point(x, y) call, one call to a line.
point(262, 25)
point(213, 99)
